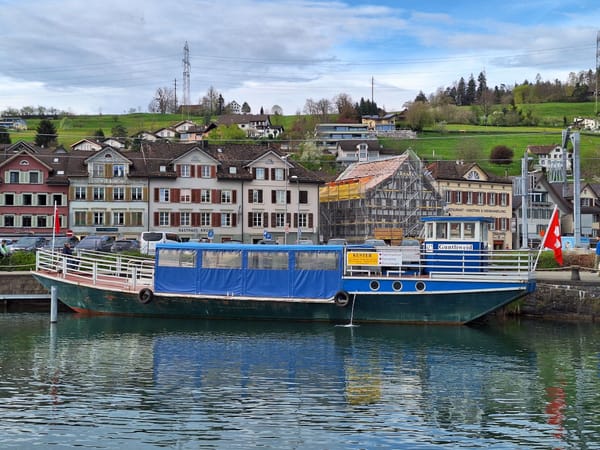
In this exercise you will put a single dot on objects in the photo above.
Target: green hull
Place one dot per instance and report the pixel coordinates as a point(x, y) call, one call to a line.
point(442, 308)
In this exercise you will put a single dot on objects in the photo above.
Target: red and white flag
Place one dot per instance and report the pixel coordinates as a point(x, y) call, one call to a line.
point(56, 221)
point(552, 238)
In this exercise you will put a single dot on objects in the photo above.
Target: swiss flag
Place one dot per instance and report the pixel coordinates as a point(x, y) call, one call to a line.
point(552, 238)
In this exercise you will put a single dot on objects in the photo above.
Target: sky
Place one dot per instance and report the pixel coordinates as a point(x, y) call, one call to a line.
point(110, 56)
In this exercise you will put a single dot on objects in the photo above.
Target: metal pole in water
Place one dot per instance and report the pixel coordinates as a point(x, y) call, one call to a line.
point(53, 304)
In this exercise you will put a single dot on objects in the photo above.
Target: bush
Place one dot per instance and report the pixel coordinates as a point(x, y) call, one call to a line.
point(501, 154)
point(18, 261)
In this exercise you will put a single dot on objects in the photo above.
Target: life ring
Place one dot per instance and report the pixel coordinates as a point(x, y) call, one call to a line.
point(146, 295)
point(342, 299)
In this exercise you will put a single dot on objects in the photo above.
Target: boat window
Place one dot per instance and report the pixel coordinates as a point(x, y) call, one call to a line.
point(222, 259)
point(441, 231)
point(177, 258)
point(268, 260)
point(317, 260)
point(455, 230)
point(469, 230)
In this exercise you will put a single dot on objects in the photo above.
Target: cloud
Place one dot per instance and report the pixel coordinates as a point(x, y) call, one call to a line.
point(112, 56)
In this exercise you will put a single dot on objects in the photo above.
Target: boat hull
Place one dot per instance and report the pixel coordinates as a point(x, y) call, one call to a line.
point(447, 306)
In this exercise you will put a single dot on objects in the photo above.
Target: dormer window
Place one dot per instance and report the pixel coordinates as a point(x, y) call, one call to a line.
point(162, 169)
point(233, 170)
point(473, 175)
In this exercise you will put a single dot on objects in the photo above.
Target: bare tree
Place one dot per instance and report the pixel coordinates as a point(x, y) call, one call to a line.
point(276, 110)
point(210, 102)
point(163, 101)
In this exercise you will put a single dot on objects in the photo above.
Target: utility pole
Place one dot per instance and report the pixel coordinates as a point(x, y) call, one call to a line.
point(597, 68)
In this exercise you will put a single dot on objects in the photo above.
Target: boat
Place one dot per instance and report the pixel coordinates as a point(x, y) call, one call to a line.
point(455, 278)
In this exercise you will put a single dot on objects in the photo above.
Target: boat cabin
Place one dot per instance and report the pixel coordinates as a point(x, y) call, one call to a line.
point(453, 243)
point(246, 270)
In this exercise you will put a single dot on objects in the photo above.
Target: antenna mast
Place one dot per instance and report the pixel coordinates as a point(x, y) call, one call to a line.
point(186, 76)
point(597, 67)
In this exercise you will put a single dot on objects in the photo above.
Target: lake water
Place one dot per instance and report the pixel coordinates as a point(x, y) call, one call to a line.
point(109, 383)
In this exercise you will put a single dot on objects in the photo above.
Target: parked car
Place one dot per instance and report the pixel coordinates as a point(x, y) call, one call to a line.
point(305, 242)
point(95, 242)
point(28, 243)
point(59, 242)
point(268, 241)
point(337, 241)
point(376, 242)
point(124, 245)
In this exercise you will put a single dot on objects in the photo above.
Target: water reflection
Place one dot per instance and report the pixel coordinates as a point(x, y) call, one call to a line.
point(106, 382)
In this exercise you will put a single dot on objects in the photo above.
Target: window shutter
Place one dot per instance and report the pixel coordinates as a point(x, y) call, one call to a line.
point(250, 224)
point(108, 170)
point(288, 197)
point(72, 193)
point(273, 220)
point(195, 219)
point(234, 196)
point(178, 170)
point(175, 195)
point(216, 196)
point(234, 220)
point(213, 171)
point(156, 194)
point(273, 196)
point(265, 220)
point(216, 219)
point(195, 195)
point(192, 171)
point(310, 220)
point(250, 195)
point(295, 220)
point(175, 219)
point(254, 173)
point(144, 193)
point(266, 174)
point(156, 218)
point(109, 194)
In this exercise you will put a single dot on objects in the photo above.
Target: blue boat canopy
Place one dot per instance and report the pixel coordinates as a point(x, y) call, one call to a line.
point(269, 271)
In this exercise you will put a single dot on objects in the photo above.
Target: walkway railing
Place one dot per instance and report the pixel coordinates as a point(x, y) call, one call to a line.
point(122, 271)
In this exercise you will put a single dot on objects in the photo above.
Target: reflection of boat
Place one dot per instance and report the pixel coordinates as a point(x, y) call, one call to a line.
point(456, 280)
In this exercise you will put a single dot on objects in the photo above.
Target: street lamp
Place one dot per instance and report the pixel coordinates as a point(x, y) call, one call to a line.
point(298, 232)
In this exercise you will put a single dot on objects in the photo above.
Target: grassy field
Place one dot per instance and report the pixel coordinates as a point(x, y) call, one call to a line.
point(456, 140)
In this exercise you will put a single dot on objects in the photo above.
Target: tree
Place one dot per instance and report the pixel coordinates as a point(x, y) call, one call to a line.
point(246, 108)
point(461, 92)
point(210, 102)
point(471, 91)
point(421, 97)
point(277, 110)
point(225, 134)
point(99, 134)
point(163, 101)
point(4, 136)
point(501, 154)
point(418, 115)
point(119, 131)
point(46, 134)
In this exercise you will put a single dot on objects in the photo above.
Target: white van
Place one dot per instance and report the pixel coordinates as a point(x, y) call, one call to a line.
point(149, 239)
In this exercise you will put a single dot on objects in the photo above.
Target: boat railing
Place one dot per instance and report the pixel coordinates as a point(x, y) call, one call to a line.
point(509, 264)
point(122, 271)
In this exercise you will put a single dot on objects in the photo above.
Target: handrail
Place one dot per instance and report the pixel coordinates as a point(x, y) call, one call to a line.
point(122, 271)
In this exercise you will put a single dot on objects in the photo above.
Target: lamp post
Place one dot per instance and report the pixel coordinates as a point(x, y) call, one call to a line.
point(286, 225)
point(298, 232)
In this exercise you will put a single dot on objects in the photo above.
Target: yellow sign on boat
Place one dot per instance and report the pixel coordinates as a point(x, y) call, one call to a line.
point(363, 258)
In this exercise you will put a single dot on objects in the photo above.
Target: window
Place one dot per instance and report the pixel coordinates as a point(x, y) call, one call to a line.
point(42, 199)
point(136, 193)
point(119, 170)
point(27, 200)
point(481, 198)
point(118, 193)
point(9, 199)
point(260, 173)
point(136, 219)
point(469, 198)
point(99, 193)
point(303, 197)
point(80, 218)
point(221, 259)
point(185, 170)
point(26, 221)
point(34, 178)
point(163, 195)
point(118, 218)
point(98, 170)
point(205, 171)
point(98, 218)
point(257, 196)
point(280, 220)
point(459, 197)
point(279, 174)
point(268, 261)
point(492, 199)
point(504, 199)
point(205, 196)
point(57, 199)
point(163, 219)
point(226, 219)
point(302, 220)
point(9, 221)
point(185, 219)
point(177, 258)
point(473, 175)
point(257, 220)
point(42, 222)
point(13, 177)
point(280, 197)
point(205, 219)
point(185, 196)
point(226, 197)
point(80, 192)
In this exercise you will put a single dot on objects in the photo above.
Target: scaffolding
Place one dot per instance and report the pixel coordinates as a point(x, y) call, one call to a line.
point(356, 208)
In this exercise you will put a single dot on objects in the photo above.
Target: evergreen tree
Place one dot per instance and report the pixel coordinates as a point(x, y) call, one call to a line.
point(481, 86)
point(99, 134)
point(461, 92)
point(46, 134)
point(471, 91)
point(246, 108)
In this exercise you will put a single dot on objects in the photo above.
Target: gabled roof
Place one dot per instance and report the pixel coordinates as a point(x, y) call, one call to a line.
point(349, 145)
point(373, 173)
point(457, 170)
point(236, 119)
point(541, 149)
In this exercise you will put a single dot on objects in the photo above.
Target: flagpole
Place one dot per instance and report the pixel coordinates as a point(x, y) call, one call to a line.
point(54, 219)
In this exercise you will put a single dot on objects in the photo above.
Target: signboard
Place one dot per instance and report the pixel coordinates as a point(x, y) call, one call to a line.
point(456, 247)
point(362, 258)
point(211, 234)
point(107, 230)
point(390, 257)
